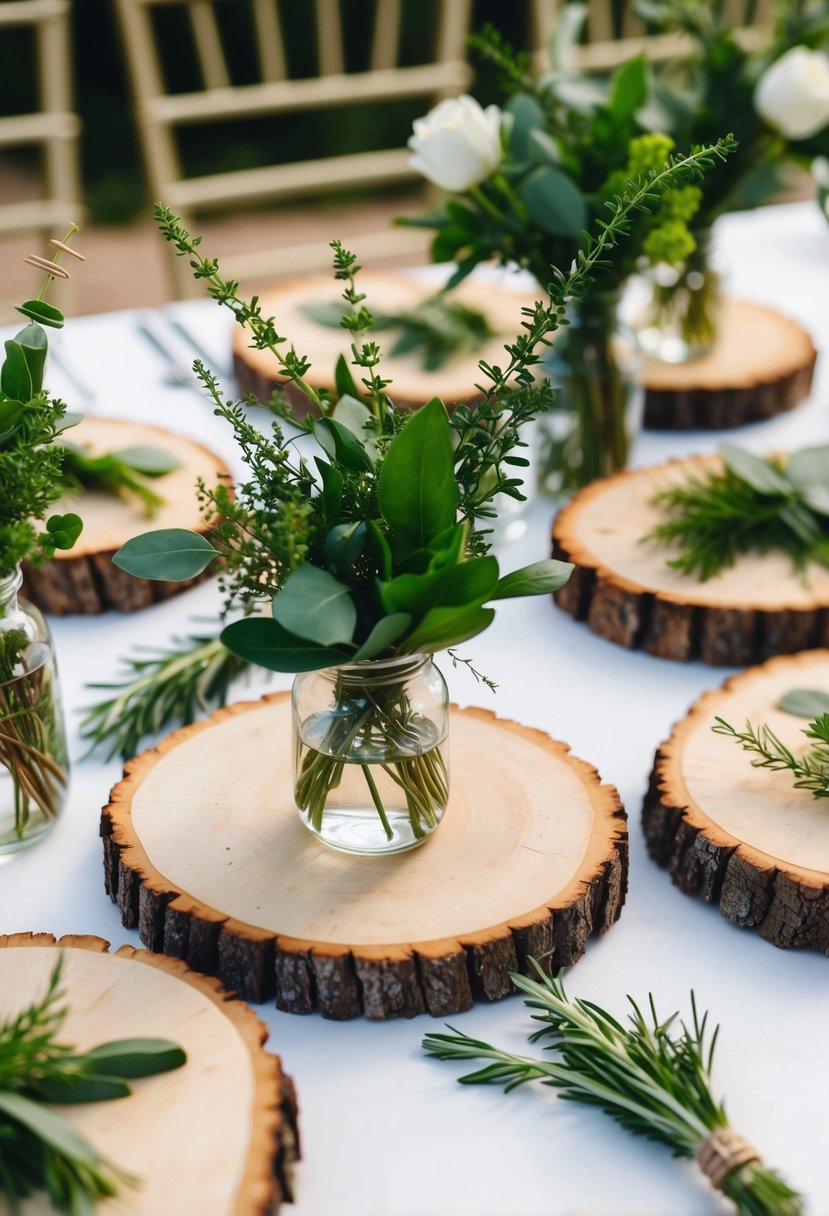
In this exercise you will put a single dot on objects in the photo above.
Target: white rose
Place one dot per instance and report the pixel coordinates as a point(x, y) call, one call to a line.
point(793, 94)
point(457, 144)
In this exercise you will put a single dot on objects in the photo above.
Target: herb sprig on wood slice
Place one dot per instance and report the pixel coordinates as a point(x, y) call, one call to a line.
point(653, 1076)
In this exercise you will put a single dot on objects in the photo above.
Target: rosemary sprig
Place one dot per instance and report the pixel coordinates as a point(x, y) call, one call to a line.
point(652, 1076)
point(125, 473)
point(751, 504)
point(40, 1150)
point(164, 687)
point(810, 770)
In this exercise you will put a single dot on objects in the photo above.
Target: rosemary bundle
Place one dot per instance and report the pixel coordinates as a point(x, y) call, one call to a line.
point(652, 1076)
point(39, 1150)
point(752, 504)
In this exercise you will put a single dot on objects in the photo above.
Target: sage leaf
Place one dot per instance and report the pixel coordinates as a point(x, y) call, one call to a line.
point(417, 489)
point(384, 634)
point(260, 640)
point(169, 554)
point(754, 471)
point(151, 462)
point(540, 578)
point(553, 202)
point(313, 605)
point(136, 1057)
point(15, 377)
point(443, 627)
point(78, 1089)
point(52, 1128)
point(805, 703)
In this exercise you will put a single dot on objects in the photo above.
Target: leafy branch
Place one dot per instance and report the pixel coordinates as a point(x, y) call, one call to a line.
point(653, 1076)
point(809, 770)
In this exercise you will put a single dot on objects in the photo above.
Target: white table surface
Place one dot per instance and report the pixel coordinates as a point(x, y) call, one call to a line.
point(385, 1131)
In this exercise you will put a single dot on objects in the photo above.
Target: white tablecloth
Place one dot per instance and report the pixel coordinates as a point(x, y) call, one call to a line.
point(385, 1131)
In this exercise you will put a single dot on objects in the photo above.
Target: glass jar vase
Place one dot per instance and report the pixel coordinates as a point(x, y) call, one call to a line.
point(680, 316)
point(371, 765)
point(593, 365)
point(34, 769)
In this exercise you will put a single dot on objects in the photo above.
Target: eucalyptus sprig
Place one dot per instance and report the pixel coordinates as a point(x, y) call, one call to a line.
point(809, 770)
point(653, 1076)
point(39, 1149)
point(751, 504)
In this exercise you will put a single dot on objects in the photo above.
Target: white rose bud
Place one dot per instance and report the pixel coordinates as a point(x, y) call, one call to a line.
point(458, 143)
point(793, 94)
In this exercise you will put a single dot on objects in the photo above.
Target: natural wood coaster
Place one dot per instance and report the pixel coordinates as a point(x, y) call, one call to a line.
point(739, 836)
point(257, 371)
point(218, 1135)
point(204, 852)
point(626, 592)
point(84, 580)
point(761, 365)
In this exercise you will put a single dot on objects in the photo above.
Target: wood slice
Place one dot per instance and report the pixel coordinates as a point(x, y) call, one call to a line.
point(626, 592)
point(257, 371)
point(208, 858)
point(218, 1135)
point(84, 580)
point(738, 836)
point(762, 365)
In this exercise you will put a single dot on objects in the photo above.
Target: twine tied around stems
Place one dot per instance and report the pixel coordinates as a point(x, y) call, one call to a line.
point(721, 1152)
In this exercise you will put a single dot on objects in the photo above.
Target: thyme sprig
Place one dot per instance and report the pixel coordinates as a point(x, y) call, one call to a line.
point(810, 770)
point(751, 504)
point(653, 1076)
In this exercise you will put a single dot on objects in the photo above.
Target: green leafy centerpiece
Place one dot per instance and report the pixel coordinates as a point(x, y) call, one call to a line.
point(375, 556)
point(33, 756)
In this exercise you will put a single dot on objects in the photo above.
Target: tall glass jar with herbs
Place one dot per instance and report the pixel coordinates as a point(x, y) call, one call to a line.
point(680, 316)
point(34, 767)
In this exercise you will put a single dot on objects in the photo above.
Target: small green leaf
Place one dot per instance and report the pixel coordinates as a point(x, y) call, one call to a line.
point(340, 445)
point(629, 88)
point(52, 1128)
point(379, 548)
point(527, 117)
point(471, 582)
point(387, 630)
point(343, 545)
point(541, 578)
point(46, 314)
point(808, 470)
point(15, 377)
point(136, 1057)
point(357, 418)
point(83, 1089)
point(168, 554)
point(324, 312)
point(11, 415)
point(33, 342)
point(332, 488)
point(417, 489)
point(442, 627)
point(805, 703)
point(314, 606)
point(151, 462)
point(554, 202)
point(63, 530)
point(260, 640)
point(754, 471)
point(343, 379)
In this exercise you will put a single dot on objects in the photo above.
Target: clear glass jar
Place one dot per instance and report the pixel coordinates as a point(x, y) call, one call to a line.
point(371, 763)
point(593, 365)
point(680, 316)
point(34, 768)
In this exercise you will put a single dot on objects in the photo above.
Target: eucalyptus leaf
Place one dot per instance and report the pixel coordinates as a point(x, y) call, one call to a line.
point(805, 703)
point(260, 640)
point(168, 554)
point(540, 578)
point(149, 461)
point(15, 377)
point(554, 202)
point(33, 343)
point(384, 634)
point(527, 116)
point(754, 471)
point(313, 605)
point(44, 314)
point(808, 468)
point(343, 545)
point(417, 489)
point(443, 627)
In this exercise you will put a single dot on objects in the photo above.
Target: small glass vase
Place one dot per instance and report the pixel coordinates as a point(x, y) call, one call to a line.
point(593, 366)
point(34, 768)
point(371, 764)
point(680, 318)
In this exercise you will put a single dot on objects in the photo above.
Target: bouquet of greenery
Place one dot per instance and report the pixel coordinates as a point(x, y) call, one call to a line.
point(526, 180)
point(380, 549)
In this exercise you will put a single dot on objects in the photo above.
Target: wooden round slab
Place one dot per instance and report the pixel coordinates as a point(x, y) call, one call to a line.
point(84, 580)
point(626, 592)
point(762, 365)
point(204, 852)
point(218, 1135)
point(739, 836)
point(258, 373)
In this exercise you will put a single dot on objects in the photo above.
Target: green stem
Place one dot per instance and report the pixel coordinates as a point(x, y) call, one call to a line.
point(377, 800)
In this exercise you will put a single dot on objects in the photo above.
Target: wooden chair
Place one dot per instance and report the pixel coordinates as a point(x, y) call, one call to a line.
point(613, 32)
point(54, 127)
point(160, 114)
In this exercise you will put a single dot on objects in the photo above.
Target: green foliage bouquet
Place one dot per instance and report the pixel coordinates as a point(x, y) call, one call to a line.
point(379, 549)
